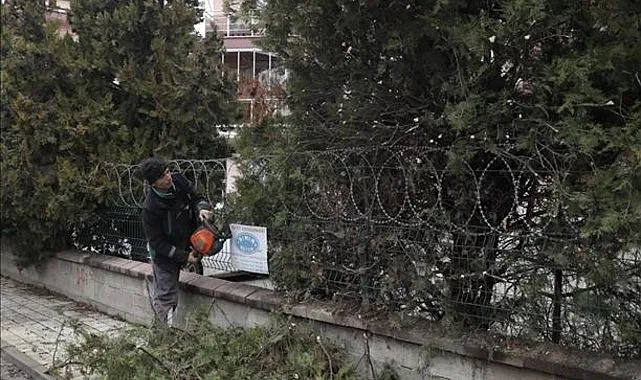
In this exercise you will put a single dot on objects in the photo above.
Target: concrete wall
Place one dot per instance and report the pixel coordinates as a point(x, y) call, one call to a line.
point(119, 287)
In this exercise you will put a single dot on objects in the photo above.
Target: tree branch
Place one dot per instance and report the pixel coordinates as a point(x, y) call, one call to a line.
point(329, 358)
point(155, 358)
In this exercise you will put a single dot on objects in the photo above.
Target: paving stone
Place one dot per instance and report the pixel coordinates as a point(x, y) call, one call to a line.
point(39, 324)
point(11, 338)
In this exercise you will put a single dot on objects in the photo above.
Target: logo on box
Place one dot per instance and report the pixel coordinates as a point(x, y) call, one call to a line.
point(247, 243)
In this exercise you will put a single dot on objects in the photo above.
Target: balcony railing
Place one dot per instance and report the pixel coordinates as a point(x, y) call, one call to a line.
point(227, 26)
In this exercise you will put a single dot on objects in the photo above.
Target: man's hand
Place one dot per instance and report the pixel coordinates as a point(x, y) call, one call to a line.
point(205, 214)
point(193, 257)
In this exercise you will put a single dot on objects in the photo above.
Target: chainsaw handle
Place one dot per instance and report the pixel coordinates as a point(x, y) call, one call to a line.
point(223, 234)
point(209, 225)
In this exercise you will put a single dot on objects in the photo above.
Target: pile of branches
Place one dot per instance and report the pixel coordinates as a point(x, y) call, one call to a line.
point(199, 350)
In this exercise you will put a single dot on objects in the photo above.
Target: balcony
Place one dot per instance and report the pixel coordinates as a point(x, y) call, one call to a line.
point(228, 27)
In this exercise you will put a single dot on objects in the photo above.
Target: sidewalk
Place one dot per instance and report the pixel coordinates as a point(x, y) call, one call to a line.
point(36, 325)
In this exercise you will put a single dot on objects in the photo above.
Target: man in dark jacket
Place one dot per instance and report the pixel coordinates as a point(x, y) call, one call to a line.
point(169, 217)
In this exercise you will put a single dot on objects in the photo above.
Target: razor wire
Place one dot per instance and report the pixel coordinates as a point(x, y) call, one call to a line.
point(409, 187)
point(207, 176)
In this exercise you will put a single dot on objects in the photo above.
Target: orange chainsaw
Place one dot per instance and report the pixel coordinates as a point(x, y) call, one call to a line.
point(207, 240)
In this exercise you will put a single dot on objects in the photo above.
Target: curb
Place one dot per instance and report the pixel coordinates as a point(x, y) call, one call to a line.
point(34, 369)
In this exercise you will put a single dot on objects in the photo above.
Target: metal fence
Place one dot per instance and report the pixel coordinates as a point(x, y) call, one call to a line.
point(481, 241)
point(490, 241)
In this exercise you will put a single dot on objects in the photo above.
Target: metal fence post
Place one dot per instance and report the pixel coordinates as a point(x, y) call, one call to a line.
point(364, 266)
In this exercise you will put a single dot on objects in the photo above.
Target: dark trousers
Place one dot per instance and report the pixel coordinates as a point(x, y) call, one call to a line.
point(165, 293)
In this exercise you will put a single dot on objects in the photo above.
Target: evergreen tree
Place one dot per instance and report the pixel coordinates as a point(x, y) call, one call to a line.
point(553, 86)
point(52, 124)
point(133, 81)
point(168, 89)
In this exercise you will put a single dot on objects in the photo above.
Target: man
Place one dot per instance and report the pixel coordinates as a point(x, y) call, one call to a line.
point(169, 218)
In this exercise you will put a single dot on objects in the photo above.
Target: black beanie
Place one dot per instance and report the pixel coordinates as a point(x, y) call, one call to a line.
point(152, 168)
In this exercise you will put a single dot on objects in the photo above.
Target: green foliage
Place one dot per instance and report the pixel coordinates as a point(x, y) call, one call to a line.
point(170, 91)
point(550, 78)
point(49, 129)
point(133, 81)
point(547, 85)
point(200, 350)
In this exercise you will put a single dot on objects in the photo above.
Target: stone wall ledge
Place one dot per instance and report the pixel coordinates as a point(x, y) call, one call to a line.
point(546, 358)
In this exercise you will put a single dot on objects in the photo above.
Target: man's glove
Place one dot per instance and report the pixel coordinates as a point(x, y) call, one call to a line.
point(205, 214)
point(193, 257)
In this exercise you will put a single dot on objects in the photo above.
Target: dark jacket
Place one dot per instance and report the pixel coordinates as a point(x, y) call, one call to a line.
point(169, 221)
